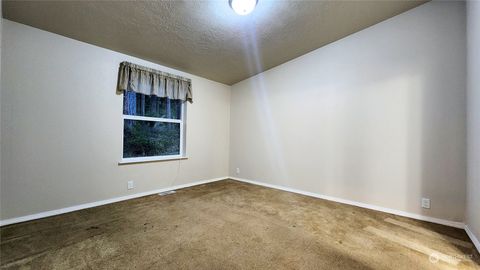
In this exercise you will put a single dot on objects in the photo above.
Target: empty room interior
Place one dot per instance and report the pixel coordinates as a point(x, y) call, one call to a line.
point(240, 134)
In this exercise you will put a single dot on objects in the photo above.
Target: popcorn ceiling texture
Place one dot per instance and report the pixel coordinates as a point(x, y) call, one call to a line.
point(206, 38)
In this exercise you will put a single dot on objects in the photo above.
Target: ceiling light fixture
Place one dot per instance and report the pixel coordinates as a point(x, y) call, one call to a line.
point(242, 7)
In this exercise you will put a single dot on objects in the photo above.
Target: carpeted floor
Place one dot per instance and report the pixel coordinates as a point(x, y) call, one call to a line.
point(233, 225)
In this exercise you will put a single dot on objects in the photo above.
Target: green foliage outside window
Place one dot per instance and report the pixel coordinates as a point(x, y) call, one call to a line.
point(143, 138)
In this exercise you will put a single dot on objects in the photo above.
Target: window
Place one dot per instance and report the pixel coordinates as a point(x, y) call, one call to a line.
point(153, 128)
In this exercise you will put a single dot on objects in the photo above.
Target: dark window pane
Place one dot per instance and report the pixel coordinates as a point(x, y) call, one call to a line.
point(151, 106)
point(150, 138)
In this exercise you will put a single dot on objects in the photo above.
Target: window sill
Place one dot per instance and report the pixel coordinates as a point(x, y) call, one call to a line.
point(124, 161)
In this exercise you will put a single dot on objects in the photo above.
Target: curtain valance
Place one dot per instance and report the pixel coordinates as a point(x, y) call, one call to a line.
point(148, 81)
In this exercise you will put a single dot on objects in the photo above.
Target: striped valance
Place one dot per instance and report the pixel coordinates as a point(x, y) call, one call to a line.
point(148, 81)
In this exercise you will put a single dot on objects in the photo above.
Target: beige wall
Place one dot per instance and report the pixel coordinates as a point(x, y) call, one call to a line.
point(1, 41)
point(62, 126)
point(377, 117)
point(473, 94)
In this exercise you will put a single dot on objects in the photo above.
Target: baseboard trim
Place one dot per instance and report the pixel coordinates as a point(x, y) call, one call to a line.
point(103, 202)
point(450, 223)
point(472, 236)
point(311, 194)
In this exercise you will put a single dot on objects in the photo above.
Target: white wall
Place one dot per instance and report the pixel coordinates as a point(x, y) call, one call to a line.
point(61, 126)
point(473, 117)
point(377, 117)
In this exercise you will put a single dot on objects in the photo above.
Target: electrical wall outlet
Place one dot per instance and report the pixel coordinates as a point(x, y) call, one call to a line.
point(130, 185)
point(425, 203)
point(238, 170)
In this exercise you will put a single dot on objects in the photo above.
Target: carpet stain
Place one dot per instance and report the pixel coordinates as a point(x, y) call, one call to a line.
point(233, 225)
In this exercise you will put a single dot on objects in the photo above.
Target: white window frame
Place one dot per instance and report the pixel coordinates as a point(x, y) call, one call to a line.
point(181, 121)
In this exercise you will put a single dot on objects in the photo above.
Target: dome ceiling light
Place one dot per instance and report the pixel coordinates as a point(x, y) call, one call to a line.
point(243, 7)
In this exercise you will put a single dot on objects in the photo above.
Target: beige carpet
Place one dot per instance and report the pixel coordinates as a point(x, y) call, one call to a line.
point(233, 225)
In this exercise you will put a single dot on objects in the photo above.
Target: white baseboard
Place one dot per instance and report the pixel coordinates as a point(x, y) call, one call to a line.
point(450, 223)
point(472, 236)
point(103, 202)
point(311, 194)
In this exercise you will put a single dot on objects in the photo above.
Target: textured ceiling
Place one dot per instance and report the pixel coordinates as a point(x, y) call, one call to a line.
point(206, 38)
